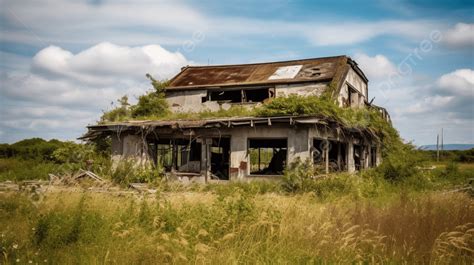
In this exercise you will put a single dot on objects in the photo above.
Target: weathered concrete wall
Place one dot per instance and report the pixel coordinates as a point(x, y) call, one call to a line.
point(355, 81)
point(350, 157)
point(191, 101)
point(310, 89)
point(324, 133)
point(299, 144)
point(186, 101)
point(378, 157)
point(129, 146)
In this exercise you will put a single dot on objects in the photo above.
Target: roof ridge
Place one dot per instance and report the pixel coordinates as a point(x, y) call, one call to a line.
point(273, 62)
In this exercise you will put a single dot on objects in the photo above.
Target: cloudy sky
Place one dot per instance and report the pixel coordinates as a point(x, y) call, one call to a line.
point(63, 61)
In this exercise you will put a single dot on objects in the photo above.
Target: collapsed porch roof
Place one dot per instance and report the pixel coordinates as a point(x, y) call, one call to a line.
point(95, 131)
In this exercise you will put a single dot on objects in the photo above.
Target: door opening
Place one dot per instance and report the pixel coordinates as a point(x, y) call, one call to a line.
point(220, 156)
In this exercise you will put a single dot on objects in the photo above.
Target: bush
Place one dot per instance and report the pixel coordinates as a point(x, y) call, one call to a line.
point(19, 170)
point(151, 104)
point(119, 113)
point(298, 177)
point(128, 171)
point(298, 105)
point(34, 148)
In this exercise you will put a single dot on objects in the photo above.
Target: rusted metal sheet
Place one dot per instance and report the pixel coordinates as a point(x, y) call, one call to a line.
point(287, 72)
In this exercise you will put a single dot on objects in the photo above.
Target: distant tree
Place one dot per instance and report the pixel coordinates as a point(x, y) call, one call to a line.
point(34, 148)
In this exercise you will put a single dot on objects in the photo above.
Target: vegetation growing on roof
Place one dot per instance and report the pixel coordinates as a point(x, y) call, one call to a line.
point(400, 159)
point(151, 104)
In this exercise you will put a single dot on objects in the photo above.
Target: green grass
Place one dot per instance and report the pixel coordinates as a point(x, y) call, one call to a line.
point(234, 225)
point(19, 169)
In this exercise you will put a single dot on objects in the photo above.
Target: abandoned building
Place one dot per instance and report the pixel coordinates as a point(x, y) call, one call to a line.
point(240, 148)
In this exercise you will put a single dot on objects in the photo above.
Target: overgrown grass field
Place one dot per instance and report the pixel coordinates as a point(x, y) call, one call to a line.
point(236, 223)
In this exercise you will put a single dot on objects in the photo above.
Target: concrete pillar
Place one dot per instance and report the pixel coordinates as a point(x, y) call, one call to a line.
point(350, 157)
point(204, 156)
point(299, 144)
point(378, 158)
point(365, 161)
point(238, 156)
point(117, 149)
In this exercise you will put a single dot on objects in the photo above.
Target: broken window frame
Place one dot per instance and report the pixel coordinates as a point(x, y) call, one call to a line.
point(172, 153)
point(244, 95)
point(274, 151)
point(351, 91)
point(337, 150)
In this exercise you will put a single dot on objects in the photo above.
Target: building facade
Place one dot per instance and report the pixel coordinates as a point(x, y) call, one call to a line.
point(241, 148)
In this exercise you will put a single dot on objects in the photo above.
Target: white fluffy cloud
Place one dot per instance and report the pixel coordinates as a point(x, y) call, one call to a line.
point(451, 94)
point(375, 67)
point(66, 91)
point(460, 36)
point(459, 83)
point(103, 63)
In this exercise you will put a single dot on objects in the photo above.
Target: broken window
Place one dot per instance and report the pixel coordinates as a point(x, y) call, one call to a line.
point(353, 97)
point(179, 154)
point(267, 156)
point(250, 95)
point(164, 152)
point(256, 95)
point(336, 154)
point(227, 96)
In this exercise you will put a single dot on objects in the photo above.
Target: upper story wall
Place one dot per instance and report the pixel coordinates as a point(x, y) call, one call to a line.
point(213, 100)
point(186, 100)
point(354, 91)
point(310, 89)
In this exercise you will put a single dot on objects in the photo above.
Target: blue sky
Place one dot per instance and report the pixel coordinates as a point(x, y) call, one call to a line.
point(63, 62)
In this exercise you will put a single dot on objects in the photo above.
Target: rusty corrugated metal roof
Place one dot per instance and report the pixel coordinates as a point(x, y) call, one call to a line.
point(308, 70)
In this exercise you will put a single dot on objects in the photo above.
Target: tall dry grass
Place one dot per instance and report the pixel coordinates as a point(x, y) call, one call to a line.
point(236, 226)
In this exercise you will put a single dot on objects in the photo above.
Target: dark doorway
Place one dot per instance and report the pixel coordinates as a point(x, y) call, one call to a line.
point(373, 156)
point(220, 156)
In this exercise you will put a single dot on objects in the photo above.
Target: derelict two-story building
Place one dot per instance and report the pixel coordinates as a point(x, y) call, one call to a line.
point(238, 148)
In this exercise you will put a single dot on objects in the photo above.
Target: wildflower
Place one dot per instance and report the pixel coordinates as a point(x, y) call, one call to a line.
point(17, 260)
point(45, 260)
point(15, 246)
point(30, 261)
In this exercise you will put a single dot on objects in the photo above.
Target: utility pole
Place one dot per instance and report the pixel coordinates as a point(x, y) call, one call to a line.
point(437, 147)
point(442, 141)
